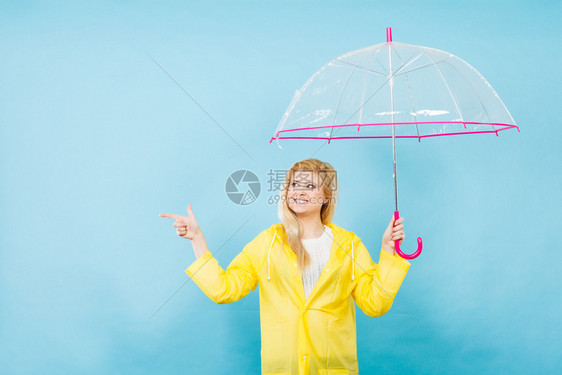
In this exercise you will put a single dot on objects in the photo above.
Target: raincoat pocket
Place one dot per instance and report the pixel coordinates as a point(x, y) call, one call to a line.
point(333, 371)
point(277, 373)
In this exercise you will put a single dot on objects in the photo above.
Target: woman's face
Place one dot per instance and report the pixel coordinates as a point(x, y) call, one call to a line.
point(305, 196)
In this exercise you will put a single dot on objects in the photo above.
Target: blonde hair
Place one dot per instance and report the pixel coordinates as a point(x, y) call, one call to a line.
point(291, 224)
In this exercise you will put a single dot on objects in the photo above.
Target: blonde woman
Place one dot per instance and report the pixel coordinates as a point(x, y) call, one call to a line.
point(311, 274)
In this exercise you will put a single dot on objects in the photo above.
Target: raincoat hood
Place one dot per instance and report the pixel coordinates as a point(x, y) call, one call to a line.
point(339, 236)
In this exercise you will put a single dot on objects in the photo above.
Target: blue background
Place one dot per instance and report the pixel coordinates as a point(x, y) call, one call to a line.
point(96, 140)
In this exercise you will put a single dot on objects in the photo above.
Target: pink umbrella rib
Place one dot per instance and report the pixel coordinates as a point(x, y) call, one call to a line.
point(506, 126)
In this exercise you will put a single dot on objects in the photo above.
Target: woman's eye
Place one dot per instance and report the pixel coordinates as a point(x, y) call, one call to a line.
point(309, 186)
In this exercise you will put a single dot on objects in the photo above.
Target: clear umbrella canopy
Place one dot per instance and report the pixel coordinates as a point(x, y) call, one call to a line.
point(394, 90)
point(423, 92)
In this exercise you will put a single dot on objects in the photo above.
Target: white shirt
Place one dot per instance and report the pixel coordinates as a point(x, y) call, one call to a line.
point(319, 251)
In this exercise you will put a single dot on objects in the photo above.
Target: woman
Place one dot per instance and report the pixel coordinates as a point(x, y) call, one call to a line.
point(311, 273)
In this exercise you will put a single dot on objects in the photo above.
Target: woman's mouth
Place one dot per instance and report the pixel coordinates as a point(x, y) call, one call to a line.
point(301, 201)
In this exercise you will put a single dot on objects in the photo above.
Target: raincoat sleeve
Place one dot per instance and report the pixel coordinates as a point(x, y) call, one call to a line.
point(376, 285)
point(221, 286)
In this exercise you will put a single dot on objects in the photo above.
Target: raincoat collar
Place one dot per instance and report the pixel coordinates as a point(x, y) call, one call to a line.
point(340, 248)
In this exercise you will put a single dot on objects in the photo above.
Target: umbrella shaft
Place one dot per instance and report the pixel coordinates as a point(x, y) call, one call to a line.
point(394, 175)
point(391, 84)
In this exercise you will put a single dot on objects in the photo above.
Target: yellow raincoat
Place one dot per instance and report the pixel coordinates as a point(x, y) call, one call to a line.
point(305, 336)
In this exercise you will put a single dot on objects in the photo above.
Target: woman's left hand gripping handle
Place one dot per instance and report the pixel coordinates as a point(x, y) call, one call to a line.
point(394, 232)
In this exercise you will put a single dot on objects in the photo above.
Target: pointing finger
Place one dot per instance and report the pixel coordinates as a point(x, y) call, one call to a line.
point(171, 216)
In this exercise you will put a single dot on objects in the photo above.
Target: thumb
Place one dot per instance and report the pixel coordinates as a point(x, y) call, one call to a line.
point(391, 224)
point(189, 210)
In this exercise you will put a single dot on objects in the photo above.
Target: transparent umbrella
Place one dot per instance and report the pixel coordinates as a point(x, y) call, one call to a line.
point(394, 90)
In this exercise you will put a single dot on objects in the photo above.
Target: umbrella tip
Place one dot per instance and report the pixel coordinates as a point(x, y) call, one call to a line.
point(388, 35)
point(278, 145)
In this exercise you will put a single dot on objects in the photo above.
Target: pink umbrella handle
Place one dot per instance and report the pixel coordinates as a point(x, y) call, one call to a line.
point(397, 244)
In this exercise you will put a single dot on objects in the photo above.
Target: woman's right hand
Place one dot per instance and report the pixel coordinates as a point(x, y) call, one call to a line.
point(186, 226)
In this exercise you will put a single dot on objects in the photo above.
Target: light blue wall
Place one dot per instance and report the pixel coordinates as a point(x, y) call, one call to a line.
point(96, 141)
